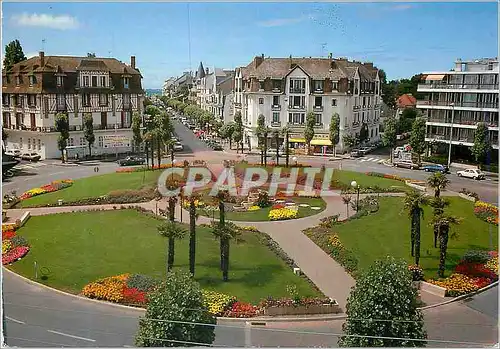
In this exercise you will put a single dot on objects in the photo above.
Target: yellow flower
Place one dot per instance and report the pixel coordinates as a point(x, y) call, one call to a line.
point(282, 214)
point(216, 302)
point(253, 208)
point(6, 246)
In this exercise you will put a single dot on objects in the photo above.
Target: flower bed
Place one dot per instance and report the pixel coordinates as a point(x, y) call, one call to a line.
point(254, 208)
point(14, 247)
point(48, 188)
point(217, 303)
point(486, 212)
point(476, 270)
point(282, 214)
point(388, 176)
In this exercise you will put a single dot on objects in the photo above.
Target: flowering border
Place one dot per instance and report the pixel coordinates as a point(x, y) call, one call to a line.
point(47, 188)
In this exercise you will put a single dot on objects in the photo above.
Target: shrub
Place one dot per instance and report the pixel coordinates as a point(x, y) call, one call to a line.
point(436, 159)
point(18, 241)
point(263, 199)
point(329, 221)
point(173, 303)
point(469, 193)
point(476, 256)
point(416, 272)
point(108, 289)
point(142, 282)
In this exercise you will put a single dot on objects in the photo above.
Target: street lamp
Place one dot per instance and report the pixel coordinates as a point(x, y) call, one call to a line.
point(295, 160)
point(452, 104)
point(355, 185)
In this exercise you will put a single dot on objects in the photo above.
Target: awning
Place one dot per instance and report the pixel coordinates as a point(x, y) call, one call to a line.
point(321, 142)
point(434, 77)
point(297, 140)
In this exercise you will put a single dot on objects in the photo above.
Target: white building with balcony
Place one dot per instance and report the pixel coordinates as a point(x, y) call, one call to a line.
point(459, 99)
point(284, 90)
point(37, 89)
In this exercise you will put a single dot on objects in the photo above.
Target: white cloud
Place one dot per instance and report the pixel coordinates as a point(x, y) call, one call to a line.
point(402, 7)
point(278, 22)
point(61, 22)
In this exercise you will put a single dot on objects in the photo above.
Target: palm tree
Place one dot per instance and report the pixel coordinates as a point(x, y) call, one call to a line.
point(438, 182)
point(171, 208)
point(222, 196)
point(276, 135)
point(226, 233)
point(413, 202)
point(192, 233)
point(443, 222)
point(347, 200)
point(173, 232)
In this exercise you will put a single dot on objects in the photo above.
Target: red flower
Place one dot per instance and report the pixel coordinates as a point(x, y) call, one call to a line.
point(134, 296)
point(475, 270)
point(241, 310)
point(6, 235)
point(14, 254)
point(278, 206)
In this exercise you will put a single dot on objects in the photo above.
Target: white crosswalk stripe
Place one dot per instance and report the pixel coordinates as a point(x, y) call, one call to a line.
point(29, 166)
point(378, 160)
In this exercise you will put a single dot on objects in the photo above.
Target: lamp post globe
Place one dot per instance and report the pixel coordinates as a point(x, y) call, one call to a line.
point(174, 161)
point(354, 184)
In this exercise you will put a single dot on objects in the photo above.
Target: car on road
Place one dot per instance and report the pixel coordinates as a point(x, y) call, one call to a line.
point(131, 161)
point(178, 146)
point(13, 152)
point(436, 168)
point(365, 150)
point(473, 173)
point(31, 156)
point(406, 164)
point(356, 153)
point(272, 152)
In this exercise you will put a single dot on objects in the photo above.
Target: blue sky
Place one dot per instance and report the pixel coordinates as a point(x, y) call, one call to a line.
point(401, 38)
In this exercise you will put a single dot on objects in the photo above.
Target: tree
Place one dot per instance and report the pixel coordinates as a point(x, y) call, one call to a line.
point(363, 133)
point(88, 131)
point(347, 200)
point(221, 197)
point(335, 132)
point(438, 182)
point(238, 130)
point(413, 202)
point(91, 54)
point(417, 138)
point(309, 130)
point(389, 137)
point(136, 131)
point(172, 231)
point(386, 293)
point(259, 132)
point(62, 126)
point(349, 141)
point(170, 319)
point(443, 222)
point(266, 133)
point(226, 233)
point(192, 233)
point(227, 131)
point(13, 54)
point(481, 144)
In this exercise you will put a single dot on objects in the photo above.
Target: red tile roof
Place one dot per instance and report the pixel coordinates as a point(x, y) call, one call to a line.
point(406, 101)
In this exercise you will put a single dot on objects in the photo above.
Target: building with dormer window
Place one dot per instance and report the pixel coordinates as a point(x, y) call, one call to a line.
point(284, 90)
point(37, 89)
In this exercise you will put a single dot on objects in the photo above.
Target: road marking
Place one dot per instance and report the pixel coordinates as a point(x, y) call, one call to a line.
point(14, 320)
point(71, 336)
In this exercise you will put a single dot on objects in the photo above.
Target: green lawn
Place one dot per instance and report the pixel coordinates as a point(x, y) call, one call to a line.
point(96, 186)
point(262, 214)
point(388, 233)
point(79, 248)
point(346, 177)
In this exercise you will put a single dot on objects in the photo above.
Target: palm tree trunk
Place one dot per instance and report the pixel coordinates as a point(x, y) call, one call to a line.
point(192, 236)
point(443, 246)
point(277, 150)
point(147, 153)
point(171, 209)
point(62, 156)
point(221, 222)
point(261, 152)
point(436, 233)
point(412, 234)
point(171, 253)
point(90, 150)
point(417, 239)
point(225, 270)
point(158, 146)
point(287, 156)
point(265, 149)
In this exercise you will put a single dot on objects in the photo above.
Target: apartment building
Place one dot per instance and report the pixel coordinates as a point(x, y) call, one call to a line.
point(284, 90)
point(458, 99)
point(37, 89)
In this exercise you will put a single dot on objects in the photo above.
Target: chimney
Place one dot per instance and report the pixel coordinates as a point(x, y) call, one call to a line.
point(330, 55)
point(258, 61)
point(458, 65)
point(207, 71)
point(42, 58)
point(368, 65)
point(132, 62)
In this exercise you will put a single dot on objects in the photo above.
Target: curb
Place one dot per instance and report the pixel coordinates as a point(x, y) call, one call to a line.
point(142, 310)
point(462, 297)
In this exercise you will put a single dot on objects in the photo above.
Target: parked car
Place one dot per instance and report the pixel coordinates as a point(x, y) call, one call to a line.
point(356, 153)
point(13, 152)
point(436, 168)
point(131, 161)
point(365, 150)
point(31, 156)
point(406, 164)
point(473, 173)
point(216, 146)
point(178, 146)
point(272, 152)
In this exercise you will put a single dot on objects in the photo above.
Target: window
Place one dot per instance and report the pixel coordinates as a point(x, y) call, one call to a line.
point(21, 142)
point(318, 119)
point(364, 101)
point(318, 101)
point(297, 101)
point(103, 99)
point(29, 143)
point(100, 142)
point(261, 85)
point(126, 82)
point(276, 84)
point(276, 117)
point(86, 100)
point(39, 144)
point(94, 81)
point(335, 85)
point(276, 100)
point(126, 100)
point(19, 80)
point(103, 81)
point(32, 100)
point(61, 101)
point(5, 99)
point(261, 100)
point(334, 102)
point(19, 100)
point(32, 80)
point(371, 133)
point(71, 141)
point(318, 85)
point(298, 86)
point(86, 81)
point(363, 116)
point(296, 118)
point(59, 80)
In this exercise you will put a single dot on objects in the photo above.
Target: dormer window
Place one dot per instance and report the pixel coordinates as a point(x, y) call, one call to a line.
point(32, 80)
point(318, 85)
point(103, 81)
point(86, 81)
point(59, 81)
point(94, 81)
point(335, 86)
point(18, 80)
point(261, 85)
point(126, 82)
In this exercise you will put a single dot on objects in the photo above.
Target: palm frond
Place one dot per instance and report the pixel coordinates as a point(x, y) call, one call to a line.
point(171, 230)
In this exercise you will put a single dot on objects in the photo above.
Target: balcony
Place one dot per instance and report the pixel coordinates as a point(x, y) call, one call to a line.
point(275, 123)
point(356, 107)
point(297, 90)
point(355, 123)
point(276, 90)
point(318, 91)
point(318, 108)
point(458, 104)
point(457, 87)
point(455, 139)
point(297, 107)
point(276, 107)
point(318, 125)
point(457, 122)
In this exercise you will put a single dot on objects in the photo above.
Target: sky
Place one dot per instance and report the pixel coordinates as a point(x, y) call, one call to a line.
point(402, 38)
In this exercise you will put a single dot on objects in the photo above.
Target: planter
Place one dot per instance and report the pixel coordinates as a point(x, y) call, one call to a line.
point(467, 197)
point(415, 186)
point(433, 289)
point(303, 310)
